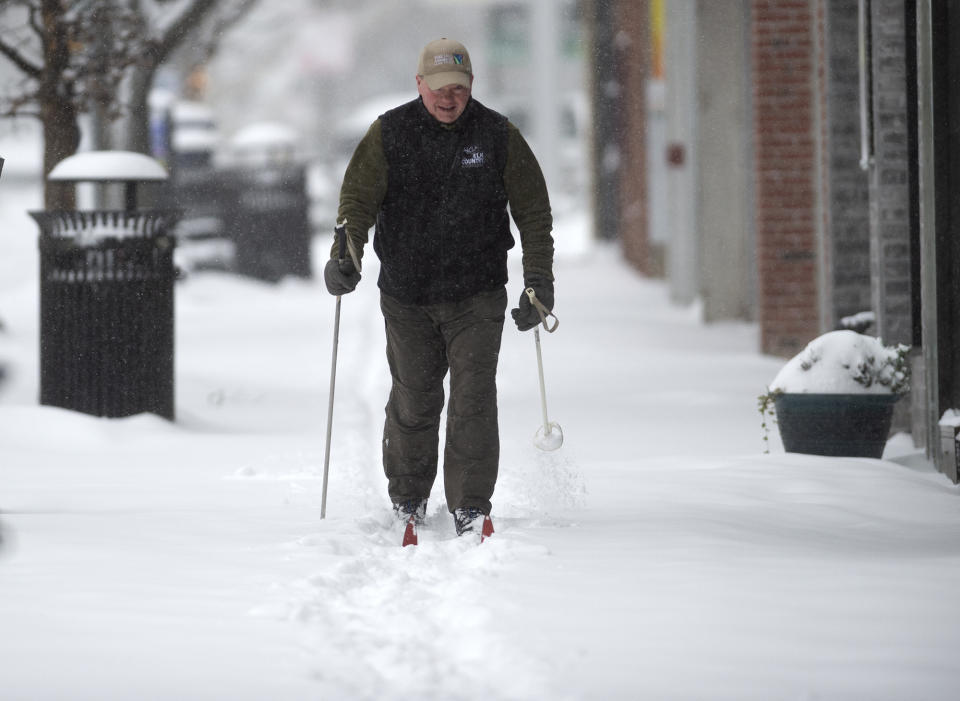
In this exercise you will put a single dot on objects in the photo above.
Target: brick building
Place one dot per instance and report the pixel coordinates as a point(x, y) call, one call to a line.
point(816, 163)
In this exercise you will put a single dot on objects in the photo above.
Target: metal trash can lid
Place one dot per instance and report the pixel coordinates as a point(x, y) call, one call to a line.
point(108, 166)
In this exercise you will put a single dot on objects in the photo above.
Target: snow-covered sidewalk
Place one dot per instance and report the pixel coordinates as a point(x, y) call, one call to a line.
point(659, 554)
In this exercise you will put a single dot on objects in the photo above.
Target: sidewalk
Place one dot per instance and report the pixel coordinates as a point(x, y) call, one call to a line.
point(659, 554)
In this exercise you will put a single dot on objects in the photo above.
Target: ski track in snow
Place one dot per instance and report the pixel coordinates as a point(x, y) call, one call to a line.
point(159, 561)
point(390, 622)
point(422, 609)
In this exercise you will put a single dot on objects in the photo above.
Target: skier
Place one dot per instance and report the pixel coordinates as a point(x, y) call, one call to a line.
point(436, 176)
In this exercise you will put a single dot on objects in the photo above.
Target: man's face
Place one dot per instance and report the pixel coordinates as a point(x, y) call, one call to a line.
point(445, 104)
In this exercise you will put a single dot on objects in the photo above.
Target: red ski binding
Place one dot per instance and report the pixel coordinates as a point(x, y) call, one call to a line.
point(410, 533)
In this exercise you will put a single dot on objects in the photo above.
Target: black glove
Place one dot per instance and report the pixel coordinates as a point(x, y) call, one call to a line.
point(526, 315)
point(340, 278)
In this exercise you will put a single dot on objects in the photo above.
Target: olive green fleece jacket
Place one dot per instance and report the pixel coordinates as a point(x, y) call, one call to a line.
point(365, 184)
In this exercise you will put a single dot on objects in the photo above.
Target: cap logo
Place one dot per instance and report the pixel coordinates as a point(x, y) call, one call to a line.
point(448, 59)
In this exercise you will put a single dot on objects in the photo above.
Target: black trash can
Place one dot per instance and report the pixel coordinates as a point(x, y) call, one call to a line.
point(106, 307)
point(267, 218)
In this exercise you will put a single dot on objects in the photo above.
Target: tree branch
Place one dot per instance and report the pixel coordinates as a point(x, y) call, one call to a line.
point(226, 21)
point(19, 60)
point(16, 111)
point(170, 39)
point(34, 22)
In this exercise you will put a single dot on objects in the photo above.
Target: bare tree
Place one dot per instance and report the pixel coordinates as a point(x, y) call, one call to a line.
point(74, 56)
point(63, 68)
point(203, 21)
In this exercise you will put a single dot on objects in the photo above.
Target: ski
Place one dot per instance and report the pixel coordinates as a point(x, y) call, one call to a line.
point(410, 532)
point(487, 529)
point(479, 530)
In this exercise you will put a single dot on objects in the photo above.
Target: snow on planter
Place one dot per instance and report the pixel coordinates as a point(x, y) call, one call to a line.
point(845, 362)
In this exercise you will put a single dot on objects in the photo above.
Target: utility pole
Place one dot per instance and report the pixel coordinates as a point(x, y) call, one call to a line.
point(102, 98)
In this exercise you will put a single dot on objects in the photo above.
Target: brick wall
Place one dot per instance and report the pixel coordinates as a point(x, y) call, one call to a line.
point(785, 151)
point(633, 45)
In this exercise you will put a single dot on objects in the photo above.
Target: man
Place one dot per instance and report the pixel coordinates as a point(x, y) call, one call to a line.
point(436, 176)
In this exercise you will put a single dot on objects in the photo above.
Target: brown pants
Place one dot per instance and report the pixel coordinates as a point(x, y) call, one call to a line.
point(423, 342)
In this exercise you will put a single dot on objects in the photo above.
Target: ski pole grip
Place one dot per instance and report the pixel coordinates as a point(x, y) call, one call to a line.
point(341, 231)
point(345, 246)
point(542, 311)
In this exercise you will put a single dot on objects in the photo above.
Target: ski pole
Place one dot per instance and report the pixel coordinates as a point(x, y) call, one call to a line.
point(543, 389)
point(341, 232)
point(551, 437)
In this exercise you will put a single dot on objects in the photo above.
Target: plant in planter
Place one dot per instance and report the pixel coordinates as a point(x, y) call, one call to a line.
point(836, 396)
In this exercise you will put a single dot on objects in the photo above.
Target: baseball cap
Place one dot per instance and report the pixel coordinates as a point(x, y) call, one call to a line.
point(445, 62)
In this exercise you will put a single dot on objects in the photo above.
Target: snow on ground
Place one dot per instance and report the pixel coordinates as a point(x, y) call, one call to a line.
point(658, 554)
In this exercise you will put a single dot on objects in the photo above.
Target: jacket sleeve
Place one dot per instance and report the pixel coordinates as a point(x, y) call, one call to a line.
point(364, 186)
point(529, 206)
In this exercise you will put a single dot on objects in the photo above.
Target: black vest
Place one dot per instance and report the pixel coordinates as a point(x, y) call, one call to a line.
point(443, 231)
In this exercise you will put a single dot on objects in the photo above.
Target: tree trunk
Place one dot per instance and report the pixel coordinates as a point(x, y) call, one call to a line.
point(61, 131)
point(137, 133)
point(61, 137)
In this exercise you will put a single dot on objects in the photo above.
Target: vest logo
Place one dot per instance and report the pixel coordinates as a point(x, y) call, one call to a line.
point(473, 157)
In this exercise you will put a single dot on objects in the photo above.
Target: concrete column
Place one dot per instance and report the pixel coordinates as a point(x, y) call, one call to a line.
point(680, 48)
point(724, 154)
point(890, 175)
point(847, 214)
